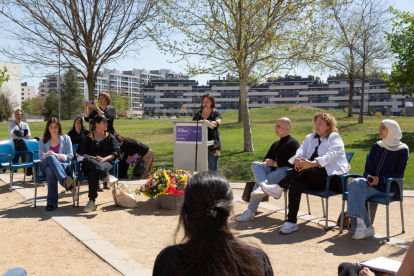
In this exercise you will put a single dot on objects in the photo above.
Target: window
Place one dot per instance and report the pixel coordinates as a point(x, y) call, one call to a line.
point(22, 89)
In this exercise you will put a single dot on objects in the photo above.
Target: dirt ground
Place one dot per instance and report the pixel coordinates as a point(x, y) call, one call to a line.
point(30, 239)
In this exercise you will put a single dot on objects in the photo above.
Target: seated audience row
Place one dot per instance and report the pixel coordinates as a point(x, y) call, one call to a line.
point(321, 154)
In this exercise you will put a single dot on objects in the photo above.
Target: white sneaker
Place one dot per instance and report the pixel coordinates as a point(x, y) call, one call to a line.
point(289, 228)
point(273, 190)
point(110, 180)
point(247, 215)
point(362, 232)
point(90, 207)
point(258, 193)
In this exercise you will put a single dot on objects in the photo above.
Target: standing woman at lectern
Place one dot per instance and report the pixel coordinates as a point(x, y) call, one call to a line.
point(209, 113)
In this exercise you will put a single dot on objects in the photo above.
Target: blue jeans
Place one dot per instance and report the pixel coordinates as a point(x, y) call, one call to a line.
point(55, 172)
point(358, 192)
point(264, 175)
point(213, 162)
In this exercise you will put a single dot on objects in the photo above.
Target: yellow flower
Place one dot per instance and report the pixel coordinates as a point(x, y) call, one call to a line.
point(184, 179)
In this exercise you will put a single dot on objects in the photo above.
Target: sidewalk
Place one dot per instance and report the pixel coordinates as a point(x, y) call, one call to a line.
point(37, 241)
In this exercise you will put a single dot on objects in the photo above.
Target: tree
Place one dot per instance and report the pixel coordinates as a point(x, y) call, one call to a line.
point(248, 39)
point(372, 47)
point(71, 95)
point(401, 39)
point(38, 104)
point(7, 103)
point(3, 76)
point(87, 33)
point(51, 108)
point(27, 106)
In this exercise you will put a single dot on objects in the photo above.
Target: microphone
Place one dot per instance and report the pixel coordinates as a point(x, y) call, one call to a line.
point(202, 106)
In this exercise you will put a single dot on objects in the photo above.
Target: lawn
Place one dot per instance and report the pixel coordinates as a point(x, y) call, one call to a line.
point(234, 163)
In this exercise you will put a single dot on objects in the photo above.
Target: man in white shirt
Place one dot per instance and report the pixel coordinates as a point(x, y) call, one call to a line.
point(17, 131)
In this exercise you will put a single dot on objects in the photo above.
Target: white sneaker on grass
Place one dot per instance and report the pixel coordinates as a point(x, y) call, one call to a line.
point(258, 193)
point(363, 232)
point(247, 215)
point(90, 207)
point(273, 190)
point(288, 228)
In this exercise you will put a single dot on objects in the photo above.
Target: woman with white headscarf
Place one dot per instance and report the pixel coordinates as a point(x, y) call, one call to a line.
point(387, 159)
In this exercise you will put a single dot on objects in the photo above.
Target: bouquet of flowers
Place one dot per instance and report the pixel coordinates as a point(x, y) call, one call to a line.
point(165, 182)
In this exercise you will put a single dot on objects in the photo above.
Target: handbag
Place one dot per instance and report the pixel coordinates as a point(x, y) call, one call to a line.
point(123, 196)
point(248, 189)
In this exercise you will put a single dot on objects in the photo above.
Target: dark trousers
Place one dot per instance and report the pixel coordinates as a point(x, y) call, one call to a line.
point(95, 171)
point(313, 178)
point(123, 169)
point(20, 145)
point(348, 269)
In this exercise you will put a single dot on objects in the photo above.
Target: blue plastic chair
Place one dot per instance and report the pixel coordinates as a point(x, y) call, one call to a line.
point(81, 177)
point(9, 159)
point(384, 200)
point(320, 193)
point(33, 146)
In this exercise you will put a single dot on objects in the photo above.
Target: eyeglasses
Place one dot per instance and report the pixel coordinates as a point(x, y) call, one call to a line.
point(319, 124)
point(382, 128)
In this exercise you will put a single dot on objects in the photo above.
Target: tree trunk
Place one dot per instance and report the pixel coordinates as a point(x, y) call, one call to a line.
point(91, 88)
point(240, 119)
point(351, 97)
point(361, 110)
point(248, 142)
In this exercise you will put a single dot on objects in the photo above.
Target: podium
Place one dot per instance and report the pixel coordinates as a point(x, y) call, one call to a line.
point(185, 145)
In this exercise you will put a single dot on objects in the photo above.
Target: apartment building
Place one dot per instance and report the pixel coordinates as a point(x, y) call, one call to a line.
point(128, 83)
point(172, 96)
point(28, 92)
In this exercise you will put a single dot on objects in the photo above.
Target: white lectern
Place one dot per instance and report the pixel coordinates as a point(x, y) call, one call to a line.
point(185, 137)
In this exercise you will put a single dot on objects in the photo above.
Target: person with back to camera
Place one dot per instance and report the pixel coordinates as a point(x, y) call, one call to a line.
point(99, 149)
point(104, 100)
point(273, 167)
point(17, 131)
point(211, 114)
point(77, 133)
point(321, 154)
point(56, 166)
point(209, 247)
point(388, 158)
point(130, 147)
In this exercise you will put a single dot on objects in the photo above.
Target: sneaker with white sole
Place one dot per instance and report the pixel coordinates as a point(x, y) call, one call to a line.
point(69, 184)
point(273, 190)
point(363, 232)
point(288, 228)
point(258, 193)
point(90, 207)
point(110, 180)
point(247, 215)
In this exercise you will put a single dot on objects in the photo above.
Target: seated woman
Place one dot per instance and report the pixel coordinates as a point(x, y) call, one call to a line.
point(321, 154)
point(104, 99)
point(209, 247)
point(99, 149)
point(387, 158)
point(55, 152)
point(130, 147)
point(77, 133)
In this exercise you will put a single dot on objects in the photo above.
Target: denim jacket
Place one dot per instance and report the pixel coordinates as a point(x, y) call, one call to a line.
point(331, 153)
point(65, 148)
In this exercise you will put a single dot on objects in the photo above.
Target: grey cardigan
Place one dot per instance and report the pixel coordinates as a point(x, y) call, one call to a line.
point(65, 148)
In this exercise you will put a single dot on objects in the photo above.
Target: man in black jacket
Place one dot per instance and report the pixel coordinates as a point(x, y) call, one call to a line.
point(273, 167)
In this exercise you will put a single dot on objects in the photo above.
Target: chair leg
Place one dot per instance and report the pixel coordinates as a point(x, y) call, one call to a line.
point(77, 191)
point(35, 195)
point(341, 227)
point(11, 180)
point(285, 205)
point(369, 209)
point(402, 217)
point(323, 207)
point(307, 198)
point(24, 176)
point(388, 223)
point(114, 193)
point(326, 220)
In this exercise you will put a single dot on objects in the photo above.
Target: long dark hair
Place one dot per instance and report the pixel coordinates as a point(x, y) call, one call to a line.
point(47, 135)
point(121, 138)
point(209, 246)
point(80, 121)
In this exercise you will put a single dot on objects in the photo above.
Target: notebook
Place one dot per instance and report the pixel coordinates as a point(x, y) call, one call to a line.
point(383, 264)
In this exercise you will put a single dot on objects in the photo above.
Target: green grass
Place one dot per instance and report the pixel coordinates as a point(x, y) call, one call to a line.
point(234, 163)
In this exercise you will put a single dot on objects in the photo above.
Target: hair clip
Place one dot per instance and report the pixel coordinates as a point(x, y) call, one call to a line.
point(211, 212)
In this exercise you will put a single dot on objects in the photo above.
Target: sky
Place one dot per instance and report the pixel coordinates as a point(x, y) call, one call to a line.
point(151, 58)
